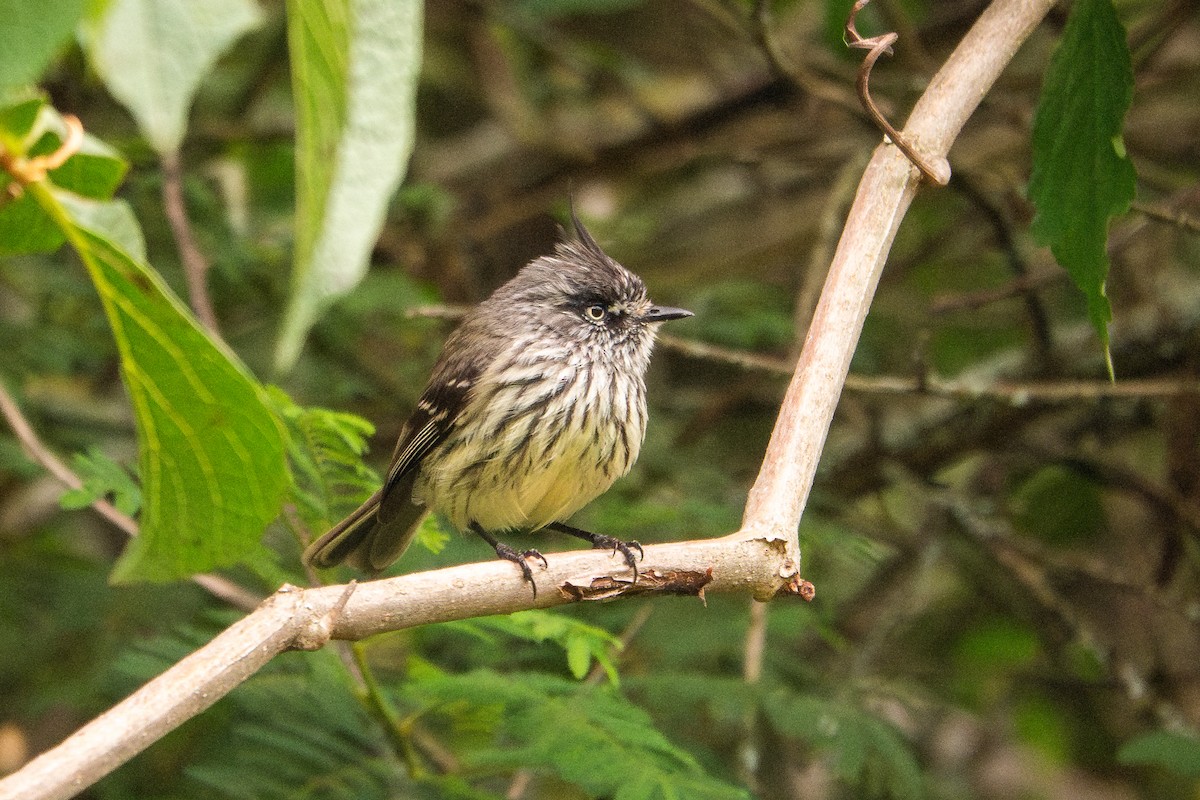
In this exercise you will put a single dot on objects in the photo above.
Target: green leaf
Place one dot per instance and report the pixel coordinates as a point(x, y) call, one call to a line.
point(580, 641)
point(354, 76)
point(211, 454)
point(114, 217)
point(30, 35)
point(29, 128)
point(1081, 174)
point(153, 54)
point(25, 228)
point(1178, 752)
point(102, 478)
point(17, 121)
point(95, 171)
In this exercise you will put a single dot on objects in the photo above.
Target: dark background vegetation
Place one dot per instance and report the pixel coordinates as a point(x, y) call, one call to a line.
point(1006, 562)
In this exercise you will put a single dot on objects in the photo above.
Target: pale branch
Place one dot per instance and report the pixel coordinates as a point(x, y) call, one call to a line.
point(1010, 391)
point(295, 618)
point(887, 188)
point(762, 558)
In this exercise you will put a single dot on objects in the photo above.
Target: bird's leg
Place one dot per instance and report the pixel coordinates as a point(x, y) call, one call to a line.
point(601, 542)
point(509, 554)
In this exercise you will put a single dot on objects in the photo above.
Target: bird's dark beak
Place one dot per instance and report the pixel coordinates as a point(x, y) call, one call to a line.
point(664, 313)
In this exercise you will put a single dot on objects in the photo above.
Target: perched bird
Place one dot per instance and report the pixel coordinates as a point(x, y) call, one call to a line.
point(536, 405)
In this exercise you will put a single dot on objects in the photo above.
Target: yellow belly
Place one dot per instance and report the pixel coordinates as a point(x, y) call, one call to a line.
point(521, 486)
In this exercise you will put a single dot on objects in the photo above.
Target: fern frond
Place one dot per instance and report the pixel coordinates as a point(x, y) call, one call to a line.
point(590, 736)
point(325, 456)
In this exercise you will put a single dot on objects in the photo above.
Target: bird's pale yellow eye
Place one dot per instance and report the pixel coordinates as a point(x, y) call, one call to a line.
point(596, 313)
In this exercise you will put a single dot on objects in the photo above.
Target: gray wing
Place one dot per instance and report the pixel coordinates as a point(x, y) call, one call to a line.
point(377, 532)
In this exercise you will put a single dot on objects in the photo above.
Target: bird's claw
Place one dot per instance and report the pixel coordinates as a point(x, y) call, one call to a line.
point(602, 542)
point(521, 559)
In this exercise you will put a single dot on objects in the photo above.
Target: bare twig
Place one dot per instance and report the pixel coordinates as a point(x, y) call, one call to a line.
point(969, 301)
point(1171, 216)
point(40, 454)
point(754, 646)
point(936, 169)
point(1010, 392)
point(215, 585)
point(1019, 393)
point(781, 490)
point(195, 265)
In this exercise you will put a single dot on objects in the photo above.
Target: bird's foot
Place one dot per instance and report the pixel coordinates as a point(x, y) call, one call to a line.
point(519, 557)
point(601, 541)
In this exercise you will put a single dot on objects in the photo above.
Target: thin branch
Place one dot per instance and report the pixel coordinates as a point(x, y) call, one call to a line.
point(40, 454)
point(1009, 392)
point(969, 301)
point(1171, 216)
point(219, 587)
point(1021, 393)
point(781, 490)
point(195, 265)
point(935, 168)
point(753, 648)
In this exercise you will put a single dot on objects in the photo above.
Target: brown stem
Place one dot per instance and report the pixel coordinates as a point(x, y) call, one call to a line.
point(937, 170)
point(195, 265)
point(40, 454)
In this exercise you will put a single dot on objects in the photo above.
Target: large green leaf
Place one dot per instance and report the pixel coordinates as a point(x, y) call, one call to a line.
point(152, 55)
point(1081, 174)
point(354, 76)
point(211, 454)
point(29, 35)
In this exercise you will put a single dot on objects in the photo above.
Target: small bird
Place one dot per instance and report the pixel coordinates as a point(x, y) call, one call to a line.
point(536, 405)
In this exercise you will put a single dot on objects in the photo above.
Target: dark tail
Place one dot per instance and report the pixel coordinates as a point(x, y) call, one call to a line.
point(372, 537)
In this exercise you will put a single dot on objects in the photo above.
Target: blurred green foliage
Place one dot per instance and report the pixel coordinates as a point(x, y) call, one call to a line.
point(1004, 581)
